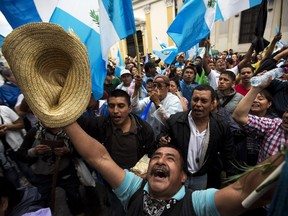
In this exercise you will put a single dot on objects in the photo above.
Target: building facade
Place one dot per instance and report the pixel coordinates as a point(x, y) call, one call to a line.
point(153, 18)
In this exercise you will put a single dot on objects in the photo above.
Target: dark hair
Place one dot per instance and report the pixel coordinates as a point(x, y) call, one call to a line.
point(119, 93)
point(205, 87)
point(181, 153)
point(148, 65)
point(7, 189)
point(193, 67)
point(230, 74)
point(248, 65)
point(6, 72)
point(269, 98)
point(176, 80)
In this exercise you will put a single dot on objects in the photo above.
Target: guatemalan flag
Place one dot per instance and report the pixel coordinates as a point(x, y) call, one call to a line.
point(193, 23)
point(98, 23)
point(229, 8)
point(167, 55)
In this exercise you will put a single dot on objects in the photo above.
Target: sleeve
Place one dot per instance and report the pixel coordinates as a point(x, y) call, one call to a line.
point(203, 202)
point(259, 125)
point(139, 105)
point(129, 186)
point(10, 114)
point(22, 152)
point(228, 150)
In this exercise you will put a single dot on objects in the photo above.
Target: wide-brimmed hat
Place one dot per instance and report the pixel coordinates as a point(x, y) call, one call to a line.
point(52, 69)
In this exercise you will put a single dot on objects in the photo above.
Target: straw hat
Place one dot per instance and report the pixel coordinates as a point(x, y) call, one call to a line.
point(51, 67)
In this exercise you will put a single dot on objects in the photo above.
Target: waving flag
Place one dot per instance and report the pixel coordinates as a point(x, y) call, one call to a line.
point(99, 24)
point(193, 23)
point(120, 64)
point(161, 43)
point(87, 18)
point(231, 7)
point(167, 55)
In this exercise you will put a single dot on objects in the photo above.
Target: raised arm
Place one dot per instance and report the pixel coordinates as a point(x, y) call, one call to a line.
point(236, 193)
point(206, 67)
point(240, 114)
point(96, 155)
point(272, 46)
point(247, 57)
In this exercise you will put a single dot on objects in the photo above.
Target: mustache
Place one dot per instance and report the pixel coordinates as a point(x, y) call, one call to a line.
point(160, 169)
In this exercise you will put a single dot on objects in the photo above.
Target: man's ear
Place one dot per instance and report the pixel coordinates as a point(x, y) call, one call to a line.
point(184, 177)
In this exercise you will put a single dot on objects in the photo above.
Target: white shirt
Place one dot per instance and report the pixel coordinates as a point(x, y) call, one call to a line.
point(13, 137)
point(157, 117)
point(196, 143)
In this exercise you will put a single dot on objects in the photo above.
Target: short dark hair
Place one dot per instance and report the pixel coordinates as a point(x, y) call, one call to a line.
point(148, 65)
point(183, 159)
point(190, 67)
point(205, 87)
point(248, 65)
point(230, 74)
point(119, 93)
point(176, 80)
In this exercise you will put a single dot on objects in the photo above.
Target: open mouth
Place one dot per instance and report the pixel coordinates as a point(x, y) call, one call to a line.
point(161, 172)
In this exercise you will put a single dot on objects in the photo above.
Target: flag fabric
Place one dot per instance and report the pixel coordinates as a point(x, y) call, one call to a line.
point(120, 64)
point(99, 24)
point(161, 43)
point(193, 52)
point(167, 55)
point(113, 18)
point(227, 9)
point(193, 23)
point(5, 26)
point(146, 57)
point(1, 40)
point(260, 43)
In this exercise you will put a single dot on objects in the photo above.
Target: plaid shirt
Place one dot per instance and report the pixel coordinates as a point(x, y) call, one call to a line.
point(270, 130)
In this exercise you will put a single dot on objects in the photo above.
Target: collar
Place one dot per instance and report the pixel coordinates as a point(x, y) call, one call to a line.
point(133, 126)
point(178, 196)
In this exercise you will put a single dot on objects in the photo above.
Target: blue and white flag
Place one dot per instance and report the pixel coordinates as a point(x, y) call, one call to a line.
point(193, 52)
point(167, 55)
point(99, 24)
point(119, 64)
point(1, 40)
point(161, 43)
point(229, 8)
point(113, 18)
point(193, 23)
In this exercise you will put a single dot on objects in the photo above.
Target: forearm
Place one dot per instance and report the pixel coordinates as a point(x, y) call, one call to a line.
point(240, 114)
point(95, 154)
point(247, 57)
point(236, 193)
point(19, 124)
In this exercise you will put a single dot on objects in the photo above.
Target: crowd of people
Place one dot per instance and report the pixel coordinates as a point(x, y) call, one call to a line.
point(203, 119)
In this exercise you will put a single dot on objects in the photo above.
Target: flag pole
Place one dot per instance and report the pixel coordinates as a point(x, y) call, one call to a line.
point(281, 9)
point(138, 58)
point(137, 52)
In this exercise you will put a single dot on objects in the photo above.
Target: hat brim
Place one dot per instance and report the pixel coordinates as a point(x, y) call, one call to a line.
point(52, 69)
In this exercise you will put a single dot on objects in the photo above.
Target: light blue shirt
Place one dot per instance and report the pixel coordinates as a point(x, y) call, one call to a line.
point(203, 200)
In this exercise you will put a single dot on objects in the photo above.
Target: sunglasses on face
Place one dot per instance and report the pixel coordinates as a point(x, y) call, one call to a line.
point(159, 85)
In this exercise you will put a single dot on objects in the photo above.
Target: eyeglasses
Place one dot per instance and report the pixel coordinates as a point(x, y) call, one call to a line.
point(158, 85)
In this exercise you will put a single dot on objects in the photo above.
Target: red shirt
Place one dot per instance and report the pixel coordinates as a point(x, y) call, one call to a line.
point(240, 89)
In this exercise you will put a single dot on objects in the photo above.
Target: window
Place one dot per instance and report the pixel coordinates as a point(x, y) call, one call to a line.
point(247, 25)
point(131, 45)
